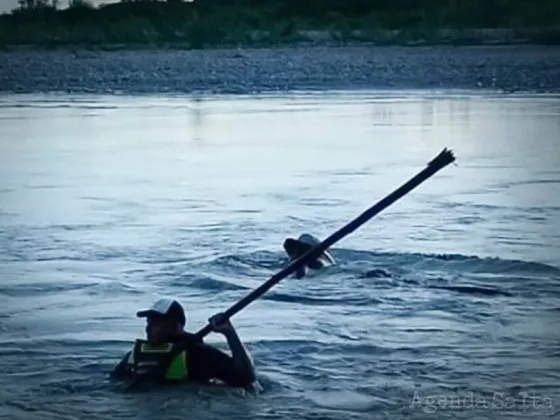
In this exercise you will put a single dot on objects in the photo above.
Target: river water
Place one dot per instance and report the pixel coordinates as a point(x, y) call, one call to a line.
point(446, 305)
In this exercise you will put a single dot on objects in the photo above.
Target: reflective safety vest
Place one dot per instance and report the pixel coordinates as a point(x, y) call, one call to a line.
point(158, 363)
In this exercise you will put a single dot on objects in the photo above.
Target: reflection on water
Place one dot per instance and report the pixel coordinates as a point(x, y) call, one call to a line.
point(251, 150)
point(197, 117)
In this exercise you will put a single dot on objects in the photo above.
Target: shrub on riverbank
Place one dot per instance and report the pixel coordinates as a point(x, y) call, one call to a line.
point(263, 22)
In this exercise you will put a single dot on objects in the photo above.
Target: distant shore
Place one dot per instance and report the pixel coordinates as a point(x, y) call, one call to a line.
point(527, 68)
point(249, 46)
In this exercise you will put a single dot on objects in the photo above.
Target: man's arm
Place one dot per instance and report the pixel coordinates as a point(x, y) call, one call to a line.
point(237, 369)
point(212, 363)
point(242, 360)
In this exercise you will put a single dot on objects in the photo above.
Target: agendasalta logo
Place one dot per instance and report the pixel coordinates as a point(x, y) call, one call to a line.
point(525, 403)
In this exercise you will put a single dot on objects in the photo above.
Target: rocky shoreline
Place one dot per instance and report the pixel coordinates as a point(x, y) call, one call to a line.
point(528, 68)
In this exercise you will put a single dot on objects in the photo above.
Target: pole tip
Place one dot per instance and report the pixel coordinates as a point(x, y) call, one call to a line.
point(443, 159)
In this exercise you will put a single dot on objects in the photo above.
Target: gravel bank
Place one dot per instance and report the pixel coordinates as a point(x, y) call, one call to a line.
point(509, 68)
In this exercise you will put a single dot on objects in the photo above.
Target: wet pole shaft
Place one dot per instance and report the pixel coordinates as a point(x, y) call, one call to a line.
point(439, 162)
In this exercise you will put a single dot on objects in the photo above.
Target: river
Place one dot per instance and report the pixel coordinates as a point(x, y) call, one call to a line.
point(446, 305)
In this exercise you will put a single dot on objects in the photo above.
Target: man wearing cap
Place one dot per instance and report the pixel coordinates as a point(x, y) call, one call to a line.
point(170, 355)
point(295, 248)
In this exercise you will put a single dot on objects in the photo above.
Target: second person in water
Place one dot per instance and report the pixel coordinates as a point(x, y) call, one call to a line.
point(295, 248)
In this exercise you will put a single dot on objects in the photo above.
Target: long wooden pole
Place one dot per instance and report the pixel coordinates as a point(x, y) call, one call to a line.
point(439, 162)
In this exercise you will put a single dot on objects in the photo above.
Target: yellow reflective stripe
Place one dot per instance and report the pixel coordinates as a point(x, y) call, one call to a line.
point(178, 369)
point(164, 348)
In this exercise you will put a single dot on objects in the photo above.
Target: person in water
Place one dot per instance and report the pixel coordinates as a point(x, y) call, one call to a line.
point(295, 248)
point(169, 354)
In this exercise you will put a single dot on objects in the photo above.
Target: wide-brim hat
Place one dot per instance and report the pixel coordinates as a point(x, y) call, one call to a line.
point(297, 247)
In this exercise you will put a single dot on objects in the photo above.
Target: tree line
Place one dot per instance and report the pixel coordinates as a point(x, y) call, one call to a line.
point(215, 21)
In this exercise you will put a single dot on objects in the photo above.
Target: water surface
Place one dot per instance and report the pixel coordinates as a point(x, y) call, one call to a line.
point(107, 203)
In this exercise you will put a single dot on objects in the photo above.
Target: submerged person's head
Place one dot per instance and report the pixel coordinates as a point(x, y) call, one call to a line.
point(164, 320)
point(295, 248)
